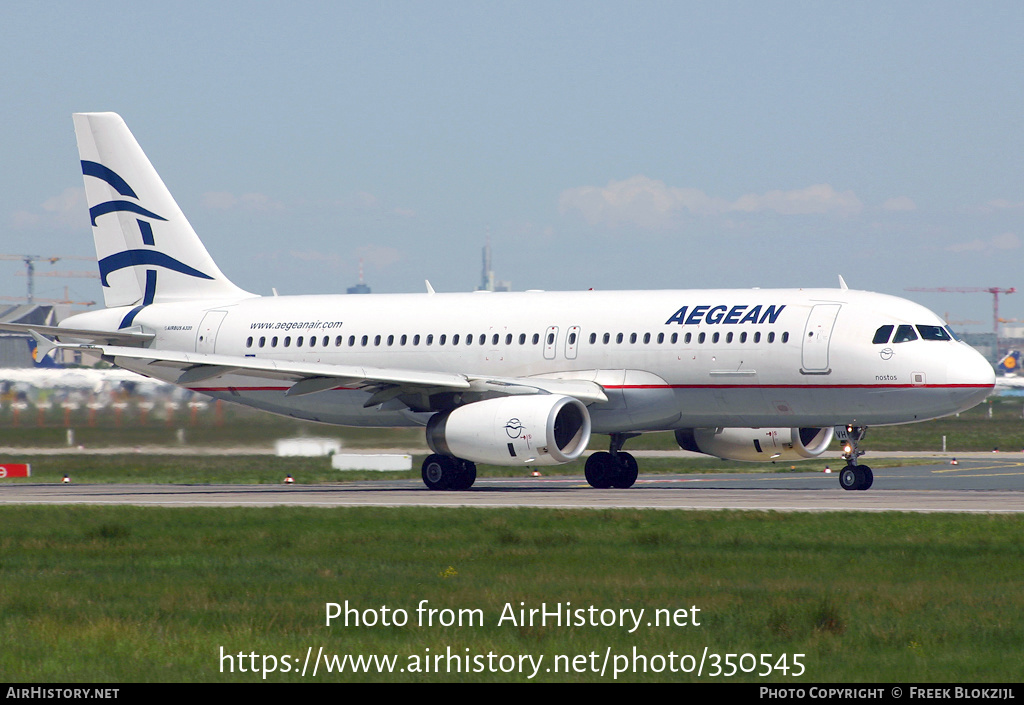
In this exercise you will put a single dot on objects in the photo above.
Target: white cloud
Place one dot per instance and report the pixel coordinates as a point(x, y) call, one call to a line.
point(650, 203)
point(998, 243)
point(900, 203)
point(66, 211)
point(379, 256)
point(223, 200)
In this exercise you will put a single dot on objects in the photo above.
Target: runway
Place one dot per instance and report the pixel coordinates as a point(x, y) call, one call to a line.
point(979, 485)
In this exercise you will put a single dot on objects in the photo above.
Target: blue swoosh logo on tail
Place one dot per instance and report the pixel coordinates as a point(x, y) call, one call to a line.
point(132, 258)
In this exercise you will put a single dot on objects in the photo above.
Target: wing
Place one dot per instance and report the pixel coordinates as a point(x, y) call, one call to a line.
point(413, 387)
point(122, 337)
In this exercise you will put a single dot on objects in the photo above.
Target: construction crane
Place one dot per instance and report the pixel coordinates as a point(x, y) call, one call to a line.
point(30, 269)
point(995, 291)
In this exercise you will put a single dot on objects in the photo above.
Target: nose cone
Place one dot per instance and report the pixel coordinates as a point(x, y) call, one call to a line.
point(970, 377)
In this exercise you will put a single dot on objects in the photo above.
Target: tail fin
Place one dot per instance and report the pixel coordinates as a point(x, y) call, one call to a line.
point(147, 250)
point(1010, 364)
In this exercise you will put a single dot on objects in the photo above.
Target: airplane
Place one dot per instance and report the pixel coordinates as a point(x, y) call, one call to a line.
point(520, 378)
point(1007, 381)
point(46, 376)
point(1009, 364)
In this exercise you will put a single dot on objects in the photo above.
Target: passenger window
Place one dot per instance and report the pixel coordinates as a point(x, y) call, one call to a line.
point(455, 339)
point(416, 339)
point(298, 342)
point(607, 338)
point(263, 341)
point(933, 333)
point(904, 334)
point(593, 338)
point(882, 335)
point(508, 339)
point(785, 337)
point(248, 343)
point(391, 340)
point(701, 337)
point(287, 341)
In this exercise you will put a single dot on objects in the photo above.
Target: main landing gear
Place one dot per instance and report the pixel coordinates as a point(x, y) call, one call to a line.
point(614, 468)
point(443, 472)
point(855, 476)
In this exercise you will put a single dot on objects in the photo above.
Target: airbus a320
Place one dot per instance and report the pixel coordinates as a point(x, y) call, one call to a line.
point(518, 379)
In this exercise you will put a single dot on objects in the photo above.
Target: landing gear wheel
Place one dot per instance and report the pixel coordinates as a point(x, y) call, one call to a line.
point(626, 470)
point(599, 470)
point(439, 472)
point(849, 478)
point(466, 475)
point(856, 477)
point(868, 477)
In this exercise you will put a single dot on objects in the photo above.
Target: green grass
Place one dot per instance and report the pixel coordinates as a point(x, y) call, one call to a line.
point(151, 594)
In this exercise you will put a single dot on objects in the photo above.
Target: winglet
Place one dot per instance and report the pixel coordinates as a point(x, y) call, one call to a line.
point(430, 289)
point(842, 282)
point(44, 346)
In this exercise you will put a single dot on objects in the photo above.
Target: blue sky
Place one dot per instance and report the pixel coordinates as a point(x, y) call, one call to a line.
point(600, 144)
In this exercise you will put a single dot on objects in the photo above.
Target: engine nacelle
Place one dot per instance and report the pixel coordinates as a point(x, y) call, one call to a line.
point(543, 429)
point(756, 444)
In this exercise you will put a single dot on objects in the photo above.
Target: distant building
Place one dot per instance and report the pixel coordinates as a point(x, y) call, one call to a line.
point(16, 348)
point(487, 282)
point(361, 287)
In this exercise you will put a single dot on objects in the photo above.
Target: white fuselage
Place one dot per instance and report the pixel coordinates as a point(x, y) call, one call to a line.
point(666, 359)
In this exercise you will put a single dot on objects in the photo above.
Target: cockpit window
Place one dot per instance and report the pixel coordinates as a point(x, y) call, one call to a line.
point(953, 335)
point(904, 334)
point(882, 335)
point(933, 333)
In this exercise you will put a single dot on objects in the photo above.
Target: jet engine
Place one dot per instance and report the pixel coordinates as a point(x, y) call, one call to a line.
point(543, 429)
point(756, 444)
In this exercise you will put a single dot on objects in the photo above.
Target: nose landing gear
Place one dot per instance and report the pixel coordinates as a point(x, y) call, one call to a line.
point(854, 476)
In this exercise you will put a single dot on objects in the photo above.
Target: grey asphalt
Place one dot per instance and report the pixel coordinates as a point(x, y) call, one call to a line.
point(981, 483)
